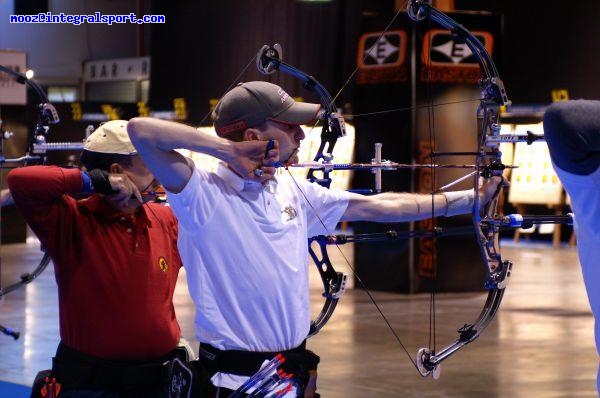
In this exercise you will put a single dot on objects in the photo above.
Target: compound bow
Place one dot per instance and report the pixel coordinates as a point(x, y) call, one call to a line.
point(37, 147)
point(486, 221)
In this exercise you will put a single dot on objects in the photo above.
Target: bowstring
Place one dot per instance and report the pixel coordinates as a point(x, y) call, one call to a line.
point(364, 57)
point(354, 272)
point(410, 108)
point(360, 281)
point(432, 139)
point(356, 276)
point(432, 150)
point(366, 54)
point(233, 83)
point(430, 106)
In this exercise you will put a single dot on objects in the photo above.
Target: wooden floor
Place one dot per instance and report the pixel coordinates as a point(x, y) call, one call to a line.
point(540, 344)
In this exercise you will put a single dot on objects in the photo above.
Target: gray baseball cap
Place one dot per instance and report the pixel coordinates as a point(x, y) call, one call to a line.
point(251, 104)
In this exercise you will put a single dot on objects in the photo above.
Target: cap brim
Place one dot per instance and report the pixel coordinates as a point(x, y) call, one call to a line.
point(299, 113)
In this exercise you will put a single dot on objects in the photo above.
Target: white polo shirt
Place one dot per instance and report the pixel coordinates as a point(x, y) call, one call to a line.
point(244, 247)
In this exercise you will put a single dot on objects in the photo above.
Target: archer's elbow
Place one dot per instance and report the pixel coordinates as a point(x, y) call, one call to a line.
point(140, 131)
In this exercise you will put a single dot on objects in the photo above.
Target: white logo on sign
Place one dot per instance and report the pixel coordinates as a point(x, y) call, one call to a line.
point(381, 50)
point(457, 52)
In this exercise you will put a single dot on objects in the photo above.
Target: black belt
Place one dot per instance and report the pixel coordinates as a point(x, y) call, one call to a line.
point(242, 363)
point(76, 370)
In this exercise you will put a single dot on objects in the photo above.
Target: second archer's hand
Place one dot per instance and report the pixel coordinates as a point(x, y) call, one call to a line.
point(124, 187)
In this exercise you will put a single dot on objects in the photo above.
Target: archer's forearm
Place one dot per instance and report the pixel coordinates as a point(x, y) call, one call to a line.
point(404, 207)
point(38, 185)
point(166, 136)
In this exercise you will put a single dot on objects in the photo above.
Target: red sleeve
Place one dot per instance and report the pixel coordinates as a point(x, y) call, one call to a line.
point(40, 193)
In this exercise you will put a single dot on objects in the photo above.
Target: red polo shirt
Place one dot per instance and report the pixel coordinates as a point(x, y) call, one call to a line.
point(115, 272)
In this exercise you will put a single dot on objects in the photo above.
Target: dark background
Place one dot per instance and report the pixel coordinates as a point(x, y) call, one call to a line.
point(544, 46)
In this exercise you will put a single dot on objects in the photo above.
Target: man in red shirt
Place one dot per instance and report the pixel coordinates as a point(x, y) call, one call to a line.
point(116, 264)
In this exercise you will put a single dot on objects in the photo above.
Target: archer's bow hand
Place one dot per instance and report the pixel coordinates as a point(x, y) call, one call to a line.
point(489, 188)
point(255, 160)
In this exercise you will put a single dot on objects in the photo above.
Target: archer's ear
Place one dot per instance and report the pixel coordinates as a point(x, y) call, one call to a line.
point(251, 135)
point(115, 168)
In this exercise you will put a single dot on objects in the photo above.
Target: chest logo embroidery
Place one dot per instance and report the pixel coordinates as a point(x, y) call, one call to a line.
point(290, 211)
point(162, 263)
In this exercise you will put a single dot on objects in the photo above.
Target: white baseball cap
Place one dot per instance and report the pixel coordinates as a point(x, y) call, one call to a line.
point(111, 137)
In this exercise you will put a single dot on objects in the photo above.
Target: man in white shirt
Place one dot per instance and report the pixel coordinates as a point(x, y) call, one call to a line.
point(244, 250)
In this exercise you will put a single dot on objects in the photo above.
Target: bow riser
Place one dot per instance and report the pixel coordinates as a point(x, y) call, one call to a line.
point(488, 164)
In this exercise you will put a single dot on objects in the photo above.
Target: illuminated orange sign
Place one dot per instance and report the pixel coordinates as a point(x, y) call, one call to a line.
point(381, 57)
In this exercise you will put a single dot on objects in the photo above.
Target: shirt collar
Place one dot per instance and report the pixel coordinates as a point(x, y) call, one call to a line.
point(240, 184)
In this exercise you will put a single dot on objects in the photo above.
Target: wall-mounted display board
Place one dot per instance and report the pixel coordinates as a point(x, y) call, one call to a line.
point(534, 181)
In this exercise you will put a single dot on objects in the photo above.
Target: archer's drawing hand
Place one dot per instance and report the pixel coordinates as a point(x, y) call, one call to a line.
point(125, 189)
point(256, 160)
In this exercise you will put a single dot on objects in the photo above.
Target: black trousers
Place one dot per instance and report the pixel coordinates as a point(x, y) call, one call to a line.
point(85, 376)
